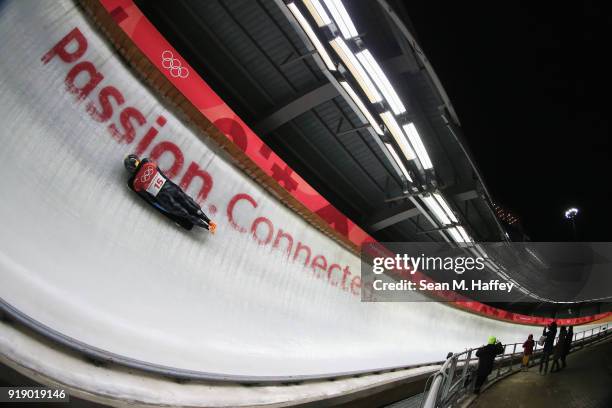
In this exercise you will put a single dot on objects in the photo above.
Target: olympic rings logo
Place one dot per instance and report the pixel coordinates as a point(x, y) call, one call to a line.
point(146, 175)
point(173, 65)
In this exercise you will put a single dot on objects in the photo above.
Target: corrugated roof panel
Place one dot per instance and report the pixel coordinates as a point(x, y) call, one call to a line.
point(330, 148)
point(228, 28)
point(358, 150)
point(287, 31)
point(373, 157)
point(272, 43)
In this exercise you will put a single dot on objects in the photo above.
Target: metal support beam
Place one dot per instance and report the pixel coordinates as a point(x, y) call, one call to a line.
point(466, 196)
point(444, 228)
point(400, 64)
point(393, 215)
point(357, 129)
point(414, 193)
point(290, 60)
point(296, 107)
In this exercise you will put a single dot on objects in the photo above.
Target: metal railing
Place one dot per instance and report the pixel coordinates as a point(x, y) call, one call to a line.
point(456, 377)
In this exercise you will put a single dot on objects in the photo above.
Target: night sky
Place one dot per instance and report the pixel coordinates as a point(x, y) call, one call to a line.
point(531, 84)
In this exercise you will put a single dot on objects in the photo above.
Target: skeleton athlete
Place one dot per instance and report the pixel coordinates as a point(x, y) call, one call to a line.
point(150, 183)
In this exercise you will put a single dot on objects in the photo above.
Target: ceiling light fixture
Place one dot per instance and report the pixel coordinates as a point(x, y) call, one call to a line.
point(398, 135)
point(445, 206)
point(464, 234)
point(361, 107)
point(435, 208)
point(356, 69)
point(342, 18)
point(318, 12)
point(312, 36)
point(418, 146)
point(381, 80)
point(399, 162)
point(455, 235)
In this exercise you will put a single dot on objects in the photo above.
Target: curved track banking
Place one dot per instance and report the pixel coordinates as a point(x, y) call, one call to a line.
point(80, 255)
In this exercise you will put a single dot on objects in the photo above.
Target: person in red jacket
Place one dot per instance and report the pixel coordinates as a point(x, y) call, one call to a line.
point(527, 352)
point(150, 183)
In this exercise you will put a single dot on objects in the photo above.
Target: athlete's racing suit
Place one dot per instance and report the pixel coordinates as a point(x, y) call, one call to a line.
point(152, 185)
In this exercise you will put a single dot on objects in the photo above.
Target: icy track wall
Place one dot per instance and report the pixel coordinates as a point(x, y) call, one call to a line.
point(81, 254)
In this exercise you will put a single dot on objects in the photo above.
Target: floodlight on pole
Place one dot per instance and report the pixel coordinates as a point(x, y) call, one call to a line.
point(570, 214)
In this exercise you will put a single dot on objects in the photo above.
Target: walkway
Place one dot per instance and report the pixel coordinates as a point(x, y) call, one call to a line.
point(585, 383)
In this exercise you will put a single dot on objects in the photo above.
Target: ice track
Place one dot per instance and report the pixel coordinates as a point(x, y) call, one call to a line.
point(81, 255)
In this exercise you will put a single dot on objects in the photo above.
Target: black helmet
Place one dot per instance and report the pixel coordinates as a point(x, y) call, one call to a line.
point(131, 162)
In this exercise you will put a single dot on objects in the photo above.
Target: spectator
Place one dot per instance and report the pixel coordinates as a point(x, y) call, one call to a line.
point(527, 352)
point(549, 343)
point(486, 357)
point(569, 337)
point(559, 350)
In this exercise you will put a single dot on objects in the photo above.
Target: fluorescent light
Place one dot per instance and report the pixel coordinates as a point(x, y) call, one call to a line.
point(398, 135)
point(377, 74)
point(342, 19)
point(417, 143)
point(361, 106)
point(445, 206)
point(356, 69)
point(455, 235)
point(398, 161)
point(533, 254)
point(464, 234)
point(477, 251)
point(313, 37)
point(318, 12)
point(434, 207)
point(482, 251)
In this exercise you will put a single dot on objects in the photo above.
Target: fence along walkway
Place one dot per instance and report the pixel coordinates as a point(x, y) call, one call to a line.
point(455, 380)
point(584, 383)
